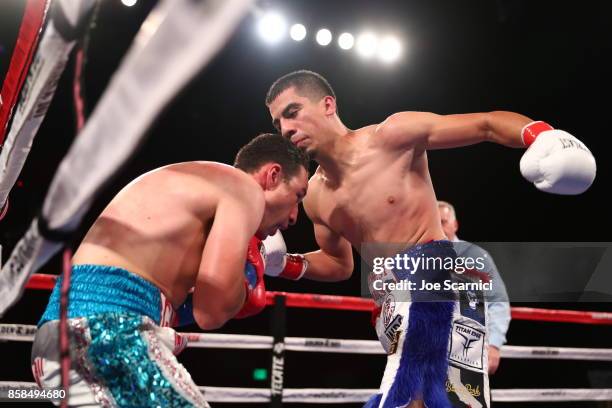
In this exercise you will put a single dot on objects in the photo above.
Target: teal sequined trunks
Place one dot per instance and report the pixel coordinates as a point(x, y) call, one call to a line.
point(121, 357)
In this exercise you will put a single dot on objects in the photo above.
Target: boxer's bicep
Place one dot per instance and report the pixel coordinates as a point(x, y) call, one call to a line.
point(432, 131)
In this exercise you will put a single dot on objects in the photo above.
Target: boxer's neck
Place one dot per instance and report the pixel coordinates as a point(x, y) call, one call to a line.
point(334, 156)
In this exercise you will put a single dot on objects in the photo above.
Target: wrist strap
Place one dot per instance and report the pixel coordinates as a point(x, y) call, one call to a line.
point(295, 266)
point(530, 131)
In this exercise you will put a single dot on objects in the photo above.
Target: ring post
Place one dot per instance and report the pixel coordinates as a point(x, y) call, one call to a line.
point(278, 324)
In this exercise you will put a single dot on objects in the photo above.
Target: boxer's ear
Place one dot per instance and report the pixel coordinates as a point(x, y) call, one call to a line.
point(274, 176)
point(329, 102)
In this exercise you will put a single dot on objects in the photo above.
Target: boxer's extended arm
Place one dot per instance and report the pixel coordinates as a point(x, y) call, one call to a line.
point(556, 161)
point(220, 290)
point(434, 131)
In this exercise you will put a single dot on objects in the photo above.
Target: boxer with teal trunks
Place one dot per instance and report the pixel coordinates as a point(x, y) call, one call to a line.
point(123, 352)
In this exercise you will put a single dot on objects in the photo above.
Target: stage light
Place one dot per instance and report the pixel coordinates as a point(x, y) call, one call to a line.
point(324, 37)
point(389, 49)
point(346, 41)
point(297, 32)
point(128, 3)
point(367, 44)
point(272, 27)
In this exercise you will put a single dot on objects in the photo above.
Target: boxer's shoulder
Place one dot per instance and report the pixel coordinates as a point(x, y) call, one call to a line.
point(211, 182)
point(403, 127)
point(203, 169)
point(228, 178)
point(192, 171)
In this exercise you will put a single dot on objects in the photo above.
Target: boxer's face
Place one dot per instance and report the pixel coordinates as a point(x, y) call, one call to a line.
point(300, 119)
point(282, 200)
point(449, 222)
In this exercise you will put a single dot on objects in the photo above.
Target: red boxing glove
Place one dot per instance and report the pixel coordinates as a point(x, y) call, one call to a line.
point(255, 287)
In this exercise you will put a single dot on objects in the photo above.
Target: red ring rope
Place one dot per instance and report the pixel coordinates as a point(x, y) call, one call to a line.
point(315, 301)
point(33, 18)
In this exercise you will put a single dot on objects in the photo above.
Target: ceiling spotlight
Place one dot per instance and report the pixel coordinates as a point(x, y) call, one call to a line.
point(389, 49)
point(324, 36)
point(272, 27)
point(297, 32)
point(346, 41)
point(128, 3)
point(367, 45)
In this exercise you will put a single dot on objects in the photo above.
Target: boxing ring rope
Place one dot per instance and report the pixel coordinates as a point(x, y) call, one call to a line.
point(347, 395)
point(32, 79)
point(29, 32)
point(25, 333)
point(154, 69)
point(357, 304)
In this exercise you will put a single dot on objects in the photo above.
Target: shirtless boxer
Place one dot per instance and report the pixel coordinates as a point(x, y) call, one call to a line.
point(372, 186)
point(182, 226)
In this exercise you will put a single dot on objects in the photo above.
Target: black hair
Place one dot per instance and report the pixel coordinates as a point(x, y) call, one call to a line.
point(307, 83)
point(271, 148)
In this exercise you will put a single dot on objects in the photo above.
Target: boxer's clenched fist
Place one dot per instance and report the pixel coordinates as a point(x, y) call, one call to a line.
point(556, 162)
point(281, 264)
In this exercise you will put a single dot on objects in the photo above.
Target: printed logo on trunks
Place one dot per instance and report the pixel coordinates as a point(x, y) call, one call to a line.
point(393, 334)
point(472, 299)
point(388, 309)
point(168, 318)
point(394, 342)
point(467, 346)
point(473, 390)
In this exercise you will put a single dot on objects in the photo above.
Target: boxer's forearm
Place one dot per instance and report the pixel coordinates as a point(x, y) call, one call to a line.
point(505, 128)
point(325, 268)
point(215, 303)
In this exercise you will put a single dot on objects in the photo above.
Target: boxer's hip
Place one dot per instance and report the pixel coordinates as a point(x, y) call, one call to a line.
point(120, 355)
point(435, 338)
point(97, 289)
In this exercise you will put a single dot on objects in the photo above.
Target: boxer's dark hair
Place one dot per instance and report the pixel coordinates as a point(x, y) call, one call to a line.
point(271, 148)
point(307, 83)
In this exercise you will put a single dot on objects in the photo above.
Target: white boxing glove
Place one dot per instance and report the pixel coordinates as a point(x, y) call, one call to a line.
point(279, 262)
point(556, 162)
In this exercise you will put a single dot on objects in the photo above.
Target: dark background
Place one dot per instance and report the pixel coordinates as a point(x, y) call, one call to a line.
point(546, 59)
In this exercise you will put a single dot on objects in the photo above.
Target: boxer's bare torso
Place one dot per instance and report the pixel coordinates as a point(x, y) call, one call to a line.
point(379, 195)
point(373, 184)
point(157, 226)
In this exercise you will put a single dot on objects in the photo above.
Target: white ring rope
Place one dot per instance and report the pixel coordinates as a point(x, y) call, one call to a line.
point(552, 394)
point(347, 395)
point(556, 353)
point(22, 332)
